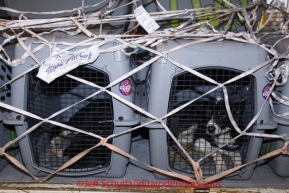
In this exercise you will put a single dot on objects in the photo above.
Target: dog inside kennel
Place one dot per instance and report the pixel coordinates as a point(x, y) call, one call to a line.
point(204, 125)
point(183, 105)
point(54, 145)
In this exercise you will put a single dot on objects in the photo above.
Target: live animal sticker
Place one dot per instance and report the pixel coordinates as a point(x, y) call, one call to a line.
point(61, 64)
point(266, 91)
point(145, 20)
point(125, 87)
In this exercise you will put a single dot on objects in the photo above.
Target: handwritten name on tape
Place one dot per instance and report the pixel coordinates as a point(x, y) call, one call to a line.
point(62, 64)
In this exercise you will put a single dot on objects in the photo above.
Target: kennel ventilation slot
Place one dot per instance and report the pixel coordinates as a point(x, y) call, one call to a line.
point(6, 134)
point(52, 145)
point(186, 87)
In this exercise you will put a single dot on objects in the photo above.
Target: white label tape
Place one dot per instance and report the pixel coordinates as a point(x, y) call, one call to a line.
point(145, 20)
point(61, 64)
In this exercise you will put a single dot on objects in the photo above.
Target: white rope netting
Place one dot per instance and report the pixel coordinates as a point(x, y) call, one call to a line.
point(21, 29)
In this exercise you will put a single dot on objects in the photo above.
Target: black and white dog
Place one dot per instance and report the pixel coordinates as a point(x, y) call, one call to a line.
point(214, 131)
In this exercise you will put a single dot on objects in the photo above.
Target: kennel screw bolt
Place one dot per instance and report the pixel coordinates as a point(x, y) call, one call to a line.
point(120, 118)
point(18, 117)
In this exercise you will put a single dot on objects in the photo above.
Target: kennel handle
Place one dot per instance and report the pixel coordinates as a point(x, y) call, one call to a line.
point(7, 119)
point(267, 126)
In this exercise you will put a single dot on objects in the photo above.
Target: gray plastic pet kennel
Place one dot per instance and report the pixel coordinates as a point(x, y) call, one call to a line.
point(48, 147)
point(6, 134)
point(279, 162)
point(220, 24)
point(169, 87)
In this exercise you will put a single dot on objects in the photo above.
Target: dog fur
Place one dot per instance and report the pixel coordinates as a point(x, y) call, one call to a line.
point(216, 131)
point(89, 119)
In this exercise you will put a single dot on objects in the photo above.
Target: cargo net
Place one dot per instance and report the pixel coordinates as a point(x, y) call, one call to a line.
point(83, 98)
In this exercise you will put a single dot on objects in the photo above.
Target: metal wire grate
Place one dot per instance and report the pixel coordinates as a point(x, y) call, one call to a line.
point(52, 146)
point(191, 124)
point(5, 91)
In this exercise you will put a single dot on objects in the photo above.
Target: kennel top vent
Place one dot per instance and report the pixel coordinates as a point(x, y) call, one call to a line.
point(6, 135)
point(5, 76)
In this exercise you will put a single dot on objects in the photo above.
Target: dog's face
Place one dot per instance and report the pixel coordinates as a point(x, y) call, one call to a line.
point(218, 121)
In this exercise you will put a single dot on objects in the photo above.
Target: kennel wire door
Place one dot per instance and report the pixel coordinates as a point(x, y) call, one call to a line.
point(48, 146)
point(185, 87)
point(169, 87)
point(53, 146)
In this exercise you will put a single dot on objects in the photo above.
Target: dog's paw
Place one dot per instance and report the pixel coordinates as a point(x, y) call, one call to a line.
point(237, 159)
point(220, 163)
point(203, 146)
point(221, 168)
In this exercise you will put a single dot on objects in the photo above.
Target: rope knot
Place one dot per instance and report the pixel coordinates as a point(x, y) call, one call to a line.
point(103, 141)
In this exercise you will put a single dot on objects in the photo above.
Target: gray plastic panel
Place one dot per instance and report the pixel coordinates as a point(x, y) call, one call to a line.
point(223, 54)
point(280, 108)
point(280, 45)
point(115, 64)
point(280, 162)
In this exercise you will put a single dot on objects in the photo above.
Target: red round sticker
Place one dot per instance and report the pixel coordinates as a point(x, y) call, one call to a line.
point(266, 91)
point(125, 87)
